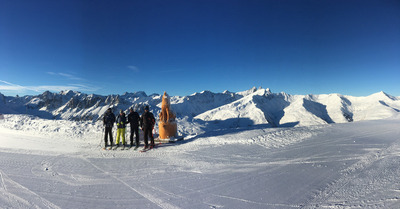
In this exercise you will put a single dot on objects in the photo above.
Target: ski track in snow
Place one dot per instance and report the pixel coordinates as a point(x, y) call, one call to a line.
point(15, 199)
point(147, 195)
point(353, 174)
point(354, 165)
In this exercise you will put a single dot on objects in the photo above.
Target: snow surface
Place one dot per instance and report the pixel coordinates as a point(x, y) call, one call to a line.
point(60, 164)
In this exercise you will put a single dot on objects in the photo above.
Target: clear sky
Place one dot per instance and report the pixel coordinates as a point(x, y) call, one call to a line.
point(182, 47)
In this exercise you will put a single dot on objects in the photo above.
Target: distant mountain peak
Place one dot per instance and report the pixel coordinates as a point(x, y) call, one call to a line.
point(253, 106)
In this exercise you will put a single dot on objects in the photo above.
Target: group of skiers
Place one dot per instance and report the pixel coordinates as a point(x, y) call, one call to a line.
point(146, 121)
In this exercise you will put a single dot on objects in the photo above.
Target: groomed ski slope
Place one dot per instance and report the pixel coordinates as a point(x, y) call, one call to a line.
point(59, 164)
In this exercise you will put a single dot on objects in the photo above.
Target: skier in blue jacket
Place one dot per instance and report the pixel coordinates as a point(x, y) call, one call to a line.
point(121, 124)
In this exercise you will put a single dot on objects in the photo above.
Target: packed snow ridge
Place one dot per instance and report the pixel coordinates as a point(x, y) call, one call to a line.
point(256, 106)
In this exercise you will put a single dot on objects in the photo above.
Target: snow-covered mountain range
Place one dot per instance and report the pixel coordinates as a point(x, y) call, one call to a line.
point(256, 106)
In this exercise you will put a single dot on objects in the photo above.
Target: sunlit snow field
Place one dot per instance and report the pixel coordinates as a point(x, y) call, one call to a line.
point(60, 164)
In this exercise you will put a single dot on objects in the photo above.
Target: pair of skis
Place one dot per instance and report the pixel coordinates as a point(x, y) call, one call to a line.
point(150, 148)
point(146, 149)
point(128, 148)
point(116, 148)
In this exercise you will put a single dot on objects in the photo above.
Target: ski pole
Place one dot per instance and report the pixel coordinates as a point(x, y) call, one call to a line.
point(126, 139)
point(116, 132)
point(102, 136)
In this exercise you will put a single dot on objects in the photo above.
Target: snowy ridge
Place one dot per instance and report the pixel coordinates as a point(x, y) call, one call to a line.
point(264, 107)
point(72, 105)
point(252, 107)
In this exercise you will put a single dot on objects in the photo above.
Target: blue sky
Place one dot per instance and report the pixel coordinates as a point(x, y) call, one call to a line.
point(182, 47)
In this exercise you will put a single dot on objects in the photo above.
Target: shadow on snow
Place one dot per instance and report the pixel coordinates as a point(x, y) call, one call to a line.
point(217, 128)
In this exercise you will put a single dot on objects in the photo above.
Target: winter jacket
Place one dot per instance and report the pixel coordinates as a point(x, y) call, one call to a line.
point(109, 119)
point(121, 121)
point(147, 120)
point(133, 119)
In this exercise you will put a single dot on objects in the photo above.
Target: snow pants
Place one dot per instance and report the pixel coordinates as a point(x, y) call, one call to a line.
point(107, 133)
point(135, 130)
point(147, 133)
point(121, 133)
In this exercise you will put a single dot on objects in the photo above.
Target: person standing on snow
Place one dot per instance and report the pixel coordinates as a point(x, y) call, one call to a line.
point(147, 122)
point(108, 122)
point(133, 120)
point(121, 124)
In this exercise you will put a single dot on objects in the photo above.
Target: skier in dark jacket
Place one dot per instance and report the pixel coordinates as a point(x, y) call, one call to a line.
point(133, 120)
point(108, 122)
point(121, 124)
point(147, 122)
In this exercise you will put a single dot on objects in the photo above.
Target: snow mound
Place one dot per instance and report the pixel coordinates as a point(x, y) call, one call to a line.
point(32, 125)
point(246, 111)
